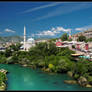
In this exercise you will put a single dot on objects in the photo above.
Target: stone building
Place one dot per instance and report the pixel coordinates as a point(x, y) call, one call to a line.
point(87, 34)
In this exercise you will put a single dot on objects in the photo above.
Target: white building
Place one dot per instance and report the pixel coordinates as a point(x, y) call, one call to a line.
point(29, 43)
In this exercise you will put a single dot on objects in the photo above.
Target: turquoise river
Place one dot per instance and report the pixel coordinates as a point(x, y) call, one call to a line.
point(25, 78)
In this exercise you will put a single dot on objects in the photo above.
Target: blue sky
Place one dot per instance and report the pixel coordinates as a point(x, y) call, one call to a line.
point(44, 19)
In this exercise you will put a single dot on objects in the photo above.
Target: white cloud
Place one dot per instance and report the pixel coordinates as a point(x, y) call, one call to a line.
point(84, 28)
point(67, 8)
point(46, 33)
point(60, 29)
point(9, 30)
point(80, 29)
point(53, 31)
point(41, 7)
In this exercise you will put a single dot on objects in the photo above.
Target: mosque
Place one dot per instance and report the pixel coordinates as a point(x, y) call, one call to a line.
point(27, 44)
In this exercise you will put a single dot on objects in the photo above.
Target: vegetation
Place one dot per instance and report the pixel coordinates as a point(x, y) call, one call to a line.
point(64, 37)
point(81, 38)
point(42, 55)
point(89, 40)
point(2, 78)
point(49, 58)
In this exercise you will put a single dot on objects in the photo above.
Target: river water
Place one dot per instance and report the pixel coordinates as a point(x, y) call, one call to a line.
point(24, 78)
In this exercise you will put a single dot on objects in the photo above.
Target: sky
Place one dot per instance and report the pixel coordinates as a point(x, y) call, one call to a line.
point(44, 19)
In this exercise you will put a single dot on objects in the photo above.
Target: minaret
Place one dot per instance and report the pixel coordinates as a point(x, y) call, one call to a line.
point(70, 34)
point(24, 38)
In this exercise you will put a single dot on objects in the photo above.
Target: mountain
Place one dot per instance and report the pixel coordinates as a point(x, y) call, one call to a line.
point(10, 39)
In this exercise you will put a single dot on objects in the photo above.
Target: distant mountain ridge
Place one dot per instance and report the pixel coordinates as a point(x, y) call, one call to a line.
point(4, 39)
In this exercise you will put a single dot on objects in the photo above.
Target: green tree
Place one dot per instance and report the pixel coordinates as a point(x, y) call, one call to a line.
point(81, 38)
point(81, 67)
point(15, 47)
point(8, 52)
point(64, 37)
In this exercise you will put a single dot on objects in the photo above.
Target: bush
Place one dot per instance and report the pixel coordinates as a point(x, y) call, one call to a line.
point(51, 67)
point(80, 68)
point(81, 38)
point(2, 78)
point(73, 46)
point(90, 79)
point(76, 76)
point(64, 37)
point(3, 59)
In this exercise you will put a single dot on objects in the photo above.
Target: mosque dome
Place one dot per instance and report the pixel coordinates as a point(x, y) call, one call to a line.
point(31, 40)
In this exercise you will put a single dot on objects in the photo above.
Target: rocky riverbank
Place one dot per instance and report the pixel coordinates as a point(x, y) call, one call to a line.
point(3, 78)
point(82, 81)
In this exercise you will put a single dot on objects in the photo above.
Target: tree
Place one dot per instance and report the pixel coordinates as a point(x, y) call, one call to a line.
point(8, 52)
point(15, 47)
point(81, 67)
point(64, 37)
point(81, 38)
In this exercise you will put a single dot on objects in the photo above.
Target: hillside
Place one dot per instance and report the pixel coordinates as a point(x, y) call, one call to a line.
point(10, 39)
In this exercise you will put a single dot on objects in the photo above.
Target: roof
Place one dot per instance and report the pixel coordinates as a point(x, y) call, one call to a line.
point(76, 54)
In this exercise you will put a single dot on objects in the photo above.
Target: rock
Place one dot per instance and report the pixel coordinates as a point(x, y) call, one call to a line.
point(89, 86)
point(82, 81)
point(3, 71)
point(70, 81)
point(25, 65)
point(46, 69)
point(3, 87)
point(70, 73)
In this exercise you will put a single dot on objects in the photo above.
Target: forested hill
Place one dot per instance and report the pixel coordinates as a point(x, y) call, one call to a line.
point(10, 38)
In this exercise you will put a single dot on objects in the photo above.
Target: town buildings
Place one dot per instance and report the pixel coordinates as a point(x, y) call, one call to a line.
point(87, 34)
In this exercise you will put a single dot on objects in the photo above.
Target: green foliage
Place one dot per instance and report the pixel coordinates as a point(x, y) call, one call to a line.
point(76, 76)
point(65, 51)
point(69, 39)
point(73, 46)
point(90, 79)
point(53, 40)
point(81, 38)
point(15, 47)
point(2, 78)
point(89, 40)
point(42, 55)
point(81, 68)
point(52, 49)
point(3, 59)
point(8, 52)
point(64, 37)
point(51, 67)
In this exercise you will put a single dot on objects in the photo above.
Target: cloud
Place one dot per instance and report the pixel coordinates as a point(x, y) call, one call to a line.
point(84, 28)
point(80, 29)
point(53, 31)
point(62, 29)
point(46, 33)
point(9, 30)
point(41, 7)
point(67, 8)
